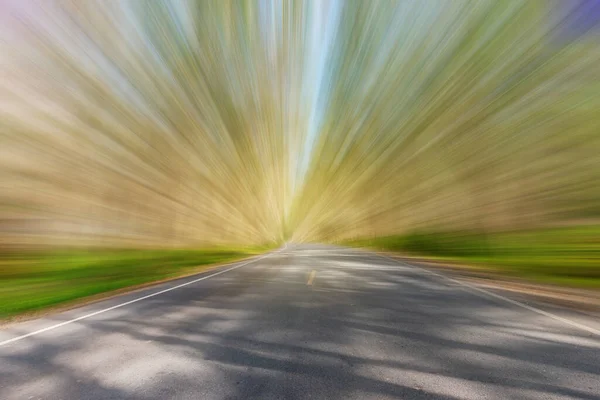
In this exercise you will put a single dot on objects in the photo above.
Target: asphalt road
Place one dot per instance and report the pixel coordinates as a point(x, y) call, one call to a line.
point(308, 322)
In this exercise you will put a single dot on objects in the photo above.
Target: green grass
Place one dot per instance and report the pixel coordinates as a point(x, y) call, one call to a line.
point(31, 281)
point(563, 256)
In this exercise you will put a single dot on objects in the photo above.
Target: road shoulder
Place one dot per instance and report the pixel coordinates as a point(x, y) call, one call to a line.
point(582, 300)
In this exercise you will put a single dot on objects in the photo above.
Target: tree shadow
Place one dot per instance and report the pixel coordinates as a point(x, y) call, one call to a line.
point(263, 333)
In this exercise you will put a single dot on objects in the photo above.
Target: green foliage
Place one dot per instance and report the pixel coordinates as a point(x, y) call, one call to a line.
point(569, 255)
point(164, 123)
point(32, 281)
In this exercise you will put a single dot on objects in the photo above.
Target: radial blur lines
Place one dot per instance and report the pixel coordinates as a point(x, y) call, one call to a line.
point(183, 122)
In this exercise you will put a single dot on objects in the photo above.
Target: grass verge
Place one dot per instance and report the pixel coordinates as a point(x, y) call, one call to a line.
point(567, 256)
point(32, 281)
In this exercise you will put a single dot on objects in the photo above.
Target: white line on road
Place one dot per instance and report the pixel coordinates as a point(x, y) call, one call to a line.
point(311, 277)
point(586, 328)
point(49, 328)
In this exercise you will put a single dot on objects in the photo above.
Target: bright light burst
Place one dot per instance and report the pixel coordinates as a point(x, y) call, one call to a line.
point(182, 122)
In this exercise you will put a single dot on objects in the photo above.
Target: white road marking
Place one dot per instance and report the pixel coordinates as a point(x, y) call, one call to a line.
point(311, 277)
point(49, 328)
point(555, 317)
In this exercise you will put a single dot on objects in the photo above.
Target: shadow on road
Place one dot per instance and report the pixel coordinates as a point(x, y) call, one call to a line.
point(262, 333)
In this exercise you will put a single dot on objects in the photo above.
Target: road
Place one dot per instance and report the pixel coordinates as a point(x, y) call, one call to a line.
point(306, 322)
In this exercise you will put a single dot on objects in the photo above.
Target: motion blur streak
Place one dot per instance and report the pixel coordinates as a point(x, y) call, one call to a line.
point(185, 122)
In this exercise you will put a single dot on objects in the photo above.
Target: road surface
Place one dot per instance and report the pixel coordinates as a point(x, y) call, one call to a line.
point(307, 322)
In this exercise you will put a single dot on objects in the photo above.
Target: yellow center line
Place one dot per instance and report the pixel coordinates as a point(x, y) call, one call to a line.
point(311, 277)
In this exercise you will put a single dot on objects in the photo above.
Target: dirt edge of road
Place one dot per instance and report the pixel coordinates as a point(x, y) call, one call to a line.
point(574, 298)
